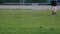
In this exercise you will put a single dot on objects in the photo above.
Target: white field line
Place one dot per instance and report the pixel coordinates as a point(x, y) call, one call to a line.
point(26, 7)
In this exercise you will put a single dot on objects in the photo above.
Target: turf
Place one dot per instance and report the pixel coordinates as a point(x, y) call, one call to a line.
point(29, 22)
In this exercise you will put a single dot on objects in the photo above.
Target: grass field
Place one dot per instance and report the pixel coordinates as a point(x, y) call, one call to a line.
point(29, 22)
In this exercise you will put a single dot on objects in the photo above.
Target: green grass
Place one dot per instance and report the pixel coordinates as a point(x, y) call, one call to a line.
point(29, 22)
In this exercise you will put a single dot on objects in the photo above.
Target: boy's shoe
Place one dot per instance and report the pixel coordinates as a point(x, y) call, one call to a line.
point(53, 13)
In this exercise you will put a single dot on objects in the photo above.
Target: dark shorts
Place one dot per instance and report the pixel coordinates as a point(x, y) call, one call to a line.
point(53, 3)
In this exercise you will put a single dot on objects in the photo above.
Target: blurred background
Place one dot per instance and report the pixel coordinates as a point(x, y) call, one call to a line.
point(26, 2)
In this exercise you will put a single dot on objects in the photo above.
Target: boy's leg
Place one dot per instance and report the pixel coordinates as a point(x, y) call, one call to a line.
point(55, 8)
point(52, 9)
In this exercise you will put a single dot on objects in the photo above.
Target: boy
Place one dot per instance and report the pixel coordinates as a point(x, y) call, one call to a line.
point(53, 6)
